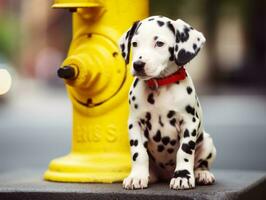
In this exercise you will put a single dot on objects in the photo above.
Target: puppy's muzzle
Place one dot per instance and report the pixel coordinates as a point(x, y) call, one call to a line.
point(139, 67)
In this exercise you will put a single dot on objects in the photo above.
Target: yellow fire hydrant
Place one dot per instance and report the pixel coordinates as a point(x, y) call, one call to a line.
point(97, 81)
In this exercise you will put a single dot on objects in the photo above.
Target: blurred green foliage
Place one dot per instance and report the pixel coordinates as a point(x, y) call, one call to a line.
point(9, 35)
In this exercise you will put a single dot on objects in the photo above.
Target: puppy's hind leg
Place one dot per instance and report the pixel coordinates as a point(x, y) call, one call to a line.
point(205, 155)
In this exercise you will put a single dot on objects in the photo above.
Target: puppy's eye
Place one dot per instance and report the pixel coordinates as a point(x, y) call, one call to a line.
point(159, 44)
point(134, 44)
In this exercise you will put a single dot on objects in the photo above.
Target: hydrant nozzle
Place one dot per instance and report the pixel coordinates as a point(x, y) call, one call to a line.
point(67, 72)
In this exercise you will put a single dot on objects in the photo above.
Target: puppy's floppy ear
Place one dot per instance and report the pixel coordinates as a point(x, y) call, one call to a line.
point(125, 41)
point(188, 42)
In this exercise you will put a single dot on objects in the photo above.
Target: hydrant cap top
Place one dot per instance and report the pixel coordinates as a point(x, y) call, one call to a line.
point(76, 4)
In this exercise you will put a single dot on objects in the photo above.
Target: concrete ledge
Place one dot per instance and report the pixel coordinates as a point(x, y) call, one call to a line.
point(230, 184)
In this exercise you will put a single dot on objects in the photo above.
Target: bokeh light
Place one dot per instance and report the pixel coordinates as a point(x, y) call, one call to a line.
point(5, 81)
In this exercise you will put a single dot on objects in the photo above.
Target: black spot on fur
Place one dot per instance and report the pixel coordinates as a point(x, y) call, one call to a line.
point(136, 106)
point(188, 147)
point(133, 142)
point(130, 36)
point(170, 150)
point(133, 98)
point(130, 92)
point(193, 119)
point(150, 98)
point(185, 159)
point(135, 82)
point(146, 133)
point(199, 125)
point(127, 35)
point(194, 46)
point(157, 137)
point(177, 82)
point(129, 101)
point(177, 36)
point(155, 37)
point(185, 35)
point(142, 121)
point(176, 47)
point(186, 133)
point(160, 121)
point(160, 23)
point(190, 110)
point(182, 174)
point(160, 148)
point(122, 46)
point(135, 155)
point(192, 144)
point(194, 132)
point(189, 90)
point(130, 126)
point(165, 140)
point(173, 122)
point(172, 55)
point(200, 138)
point(151, 19)
point(134, 44)
point(203, 164)
point(173, 142)
point(171, 27)
point(182, 36)
point(171, 113)
point(148, 124)
point(139, 24)
point(148, 116)
point(184, 57)
point(145, 144)
point(209, 156)
point(197, 103)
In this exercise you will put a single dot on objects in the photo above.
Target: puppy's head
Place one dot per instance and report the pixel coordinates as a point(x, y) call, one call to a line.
point(159, 46)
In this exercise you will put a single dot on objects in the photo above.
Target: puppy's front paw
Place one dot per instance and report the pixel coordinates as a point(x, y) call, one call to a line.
point(135, 182)
point(182, 180)
point(204, 177)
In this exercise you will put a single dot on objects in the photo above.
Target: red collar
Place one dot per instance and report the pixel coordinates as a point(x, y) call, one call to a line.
point(179, 75)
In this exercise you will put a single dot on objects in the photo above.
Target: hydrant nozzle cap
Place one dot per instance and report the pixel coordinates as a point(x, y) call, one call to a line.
point(66, 72)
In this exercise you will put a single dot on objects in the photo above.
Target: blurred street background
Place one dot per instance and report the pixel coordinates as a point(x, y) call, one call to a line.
point(229, 74)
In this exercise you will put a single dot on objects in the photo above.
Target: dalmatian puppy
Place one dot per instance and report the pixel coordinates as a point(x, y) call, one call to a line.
point(167, 138)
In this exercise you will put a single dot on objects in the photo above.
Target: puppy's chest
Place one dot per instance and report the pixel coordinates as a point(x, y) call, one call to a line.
point(172, 97)
point(159, 113)
point(162, 135)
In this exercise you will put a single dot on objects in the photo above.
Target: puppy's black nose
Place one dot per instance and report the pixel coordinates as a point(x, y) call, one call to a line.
point(138, 66)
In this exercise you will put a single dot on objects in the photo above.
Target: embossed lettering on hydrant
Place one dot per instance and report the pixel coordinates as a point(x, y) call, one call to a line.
point(96, 133)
